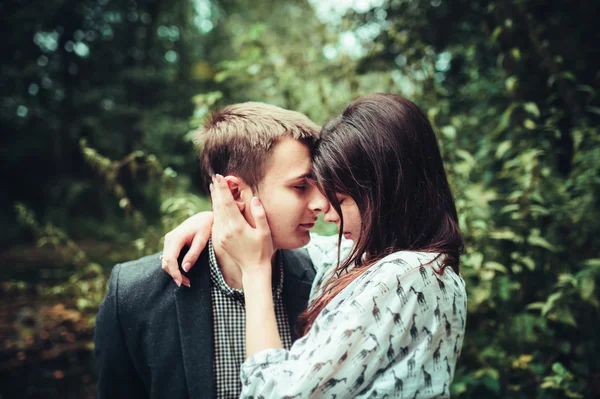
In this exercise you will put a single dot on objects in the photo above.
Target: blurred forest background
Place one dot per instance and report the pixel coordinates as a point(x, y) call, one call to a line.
point(99, 100)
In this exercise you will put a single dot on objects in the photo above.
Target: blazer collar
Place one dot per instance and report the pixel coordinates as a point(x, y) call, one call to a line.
point(297, 283)
point(194, 315)
point(195, 318)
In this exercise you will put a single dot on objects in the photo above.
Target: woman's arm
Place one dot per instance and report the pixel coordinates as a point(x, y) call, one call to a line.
point(252, 250)
point(193, 232)
point(261, 323)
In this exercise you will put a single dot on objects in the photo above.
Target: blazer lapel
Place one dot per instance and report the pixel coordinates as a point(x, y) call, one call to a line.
point(194, 315)
point(297, 283)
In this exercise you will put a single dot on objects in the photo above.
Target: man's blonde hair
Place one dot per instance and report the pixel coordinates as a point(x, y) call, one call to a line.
point(238, 139)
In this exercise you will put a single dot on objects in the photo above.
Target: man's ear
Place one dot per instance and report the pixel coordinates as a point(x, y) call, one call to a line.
point(236, 186)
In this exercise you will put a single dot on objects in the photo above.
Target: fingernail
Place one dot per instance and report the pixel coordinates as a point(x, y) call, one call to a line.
point(177, 282)
point(219, 177)
point(210, 186)
point(255, 201)
point(186, 267)
point(188, 285)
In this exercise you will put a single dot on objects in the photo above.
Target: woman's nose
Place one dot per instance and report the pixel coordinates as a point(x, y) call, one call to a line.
point(331, 215)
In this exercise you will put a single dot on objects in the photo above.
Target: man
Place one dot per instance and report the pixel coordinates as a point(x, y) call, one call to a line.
point(154, 339)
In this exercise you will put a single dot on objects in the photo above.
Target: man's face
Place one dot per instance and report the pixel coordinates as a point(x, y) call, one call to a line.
point(291, 201)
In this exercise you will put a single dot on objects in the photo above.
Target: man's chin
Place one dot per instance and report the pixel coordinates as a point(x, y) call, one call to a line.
point(298, 241)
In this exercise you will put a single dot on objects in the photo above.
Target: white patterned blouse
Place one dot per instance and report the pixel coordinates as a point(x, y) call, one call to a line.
point(394, 332)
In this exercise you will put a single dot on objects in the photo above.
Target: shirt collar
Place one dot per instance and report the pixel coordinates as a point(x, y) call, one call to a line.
point(217, 277)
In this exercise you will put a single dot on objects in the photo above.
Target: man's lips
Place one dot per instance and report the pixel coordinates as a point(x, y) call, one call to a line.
point(308, 225)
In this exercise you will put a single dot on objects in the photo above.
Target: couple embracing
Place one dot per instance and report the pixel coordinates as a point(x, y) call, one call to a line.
point(261, 307)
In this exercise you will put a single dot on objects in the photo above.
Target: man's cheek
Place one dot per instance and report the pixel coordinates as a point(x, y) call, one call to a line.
point(270, 220)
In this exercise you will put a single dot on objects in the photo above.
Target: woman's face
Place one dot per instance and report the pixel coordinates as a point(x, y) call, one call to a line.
point(352, 222)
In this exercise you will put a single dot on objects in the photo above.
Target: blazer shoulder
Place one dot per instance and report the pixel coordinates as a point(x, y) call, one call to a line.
point(143, 273)
point(297, 262)
point(140, 285)
point(142, 282)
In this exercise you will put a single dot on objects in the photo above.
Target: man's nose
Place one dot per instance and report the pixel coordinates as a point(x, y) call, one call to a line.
point(318, 202)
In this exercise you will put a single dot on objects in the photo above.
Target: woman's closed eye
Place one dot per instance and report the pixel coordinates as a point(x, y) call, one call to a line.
point(341, 198)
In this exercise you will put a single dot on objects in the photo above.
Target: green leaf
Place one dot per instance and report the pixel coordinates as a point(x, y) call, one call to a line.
point(221, 76)
point(535, 306)
point(529, 124)
point(564, 75)
point(497, 32)
point(449, 131)
point(474, 260)
point(495, 266)
point(516, 53)
point(592, 262)
point(466, 156)
point(550, 302)
point(491, 383)
point(532, 109)
point(459, 388)
point(593, 110)
point(505, 119)
point(563, 315)
point(509, 208)
point(124, 203)
point(549, 384)
point(505, 235)
point(539, 210)
point(503, 148)
point(586, 288)
point(541, 242)
point(559, 369)
point(511, 84)
point(528, 262)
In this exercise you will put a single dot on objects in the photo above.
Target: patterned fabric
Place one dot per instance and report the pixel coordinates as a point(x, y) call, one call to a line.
point(229, 319)
point(396, 331)
point(323, 252)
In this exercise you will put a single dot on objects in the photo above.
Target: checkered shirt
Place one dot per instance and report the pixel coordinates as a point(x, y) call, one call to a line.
point(229, 320)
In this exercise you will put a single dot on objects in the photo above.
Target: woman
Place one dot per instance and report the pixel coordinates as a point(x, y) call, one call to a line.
point(388, 319)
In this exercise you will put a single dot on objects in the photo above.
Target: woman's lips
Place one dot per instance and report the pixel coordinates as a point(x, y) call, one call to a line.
point(347, 234)
point(307, 226)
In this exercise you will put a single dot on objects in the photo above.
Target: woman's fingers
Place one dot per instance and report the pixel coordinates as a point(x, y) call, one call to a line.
point(196, 248)
point(215, 198)
point(247, 246)
point(193, 232)
point(173, 245)
point(226, 201)
point(226, 212)
point(172, 268)
point(260, 217)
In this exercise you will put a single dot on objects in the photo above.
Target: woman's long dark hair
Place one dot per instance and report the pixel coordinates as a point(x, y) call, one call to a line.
point(383, 153)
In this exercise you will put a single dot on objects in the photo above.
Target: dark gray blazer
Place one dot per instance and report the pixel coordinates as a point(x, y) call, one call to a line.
point(154, 340)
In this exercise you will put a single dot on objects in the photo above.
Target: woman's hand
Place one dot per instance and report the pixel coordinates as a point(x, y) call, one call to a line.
point(193, 232)
point(250, 248)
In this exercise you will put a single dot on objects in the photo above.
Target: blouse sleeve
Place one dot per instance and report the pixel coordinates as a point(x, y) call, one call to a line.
point(359, 336)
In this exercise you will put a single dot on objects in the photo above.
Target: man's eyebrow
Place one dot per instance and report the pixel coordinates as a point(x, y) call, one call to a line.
point(307, 176)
